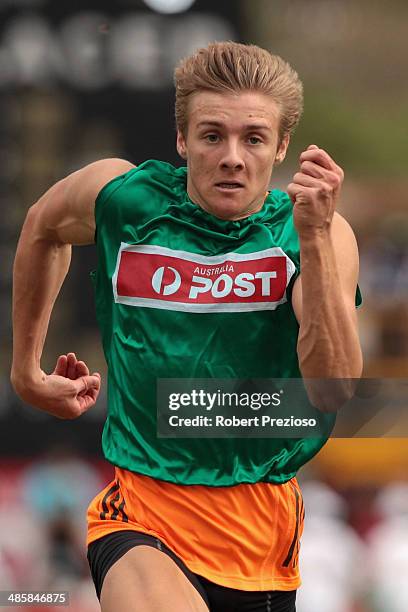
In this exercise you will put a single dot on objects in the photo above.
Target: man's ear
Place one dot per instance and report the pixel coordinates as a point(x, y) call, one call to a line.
point(283, 147)
point(181, 145)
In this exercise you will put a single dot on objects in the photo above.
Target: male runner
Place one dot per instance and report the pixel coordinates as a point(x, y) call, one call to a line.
point(206, 523)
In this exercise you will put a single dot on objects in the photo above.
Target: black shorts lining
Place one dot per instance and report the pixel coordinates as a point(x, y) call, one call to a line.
point(103, 553)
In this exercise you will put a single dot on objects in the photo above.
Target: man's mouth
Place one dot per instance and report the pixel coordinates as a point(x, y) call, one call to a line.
point(229, 185)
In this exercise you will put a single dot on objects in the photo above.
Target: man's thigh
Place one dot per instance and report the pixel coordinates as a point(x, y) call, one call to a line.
point(146, 580)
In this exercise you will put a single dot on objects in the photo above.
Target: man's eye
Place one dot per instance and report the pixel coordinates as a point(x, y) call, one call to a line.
point(212, 137)
point(254, 140)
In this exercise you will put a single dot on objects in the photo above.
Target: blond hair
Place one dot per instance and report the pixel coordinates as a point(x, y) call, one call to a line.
point(232, 67)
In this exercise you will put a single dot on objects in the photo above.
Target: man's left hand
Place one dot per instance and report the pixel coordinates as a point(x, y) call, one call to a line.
point(314, 192)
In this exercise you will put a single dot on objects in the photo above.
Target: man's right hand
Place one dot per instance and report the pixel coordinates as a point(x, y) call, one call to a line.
point(66, 393)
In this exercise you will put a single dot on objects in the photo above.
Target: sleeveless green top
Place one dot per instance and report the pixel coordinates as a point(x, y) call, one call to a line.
point(183, 294)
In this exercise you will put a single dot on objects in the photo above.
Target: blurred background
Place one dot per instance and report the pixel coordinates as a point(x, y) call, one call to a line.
point(84, 80)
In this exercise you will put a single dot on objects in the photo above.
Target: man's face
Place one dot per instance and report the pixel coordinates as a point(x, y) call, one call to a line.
point(230, 147)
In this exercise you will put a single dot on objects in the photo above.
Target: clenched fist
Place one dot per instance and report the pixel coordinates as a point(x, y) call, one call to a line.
point(66, 393)
point(314, 191)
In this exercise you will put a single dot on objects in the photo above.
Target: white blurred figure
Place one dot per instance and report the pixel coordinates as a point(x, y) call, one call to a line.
point(332, 556)
point(388, 547)
point(24, 546)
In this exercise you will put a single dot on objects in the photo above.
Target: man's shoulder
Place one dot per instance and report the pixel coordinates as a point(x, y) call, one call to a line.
point(144, 190)
point(86, 183)
point(155, 178)
point(105, 169)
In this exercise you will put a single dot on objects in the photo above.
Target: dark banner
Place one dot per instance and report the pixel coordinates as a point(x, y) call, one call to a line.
point(224, 408)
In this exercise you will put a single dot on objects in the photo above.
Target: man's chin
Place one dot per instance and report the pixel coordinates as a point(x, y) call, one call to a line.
point(228, 209)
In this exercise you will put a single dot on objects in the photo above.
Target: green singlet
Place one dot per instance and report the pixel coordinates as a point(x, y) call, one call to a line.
point(183, 294)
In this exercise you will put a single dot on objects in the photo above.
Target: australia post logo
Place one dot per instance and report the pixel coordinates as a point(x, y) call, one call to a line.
point(158, 277)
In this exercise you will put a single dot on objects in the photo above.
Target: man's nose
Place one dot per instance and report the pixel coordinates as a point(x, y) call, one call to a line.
point(232, 157)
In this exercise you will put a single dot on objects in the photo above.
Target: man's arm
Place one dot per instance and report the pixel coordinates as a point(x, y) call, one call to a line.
point(323, 296)
point(63, 216)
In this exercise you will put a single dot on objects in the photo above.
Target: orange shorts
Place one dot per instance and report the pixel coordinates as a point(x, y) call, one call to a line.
point(243, 537)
